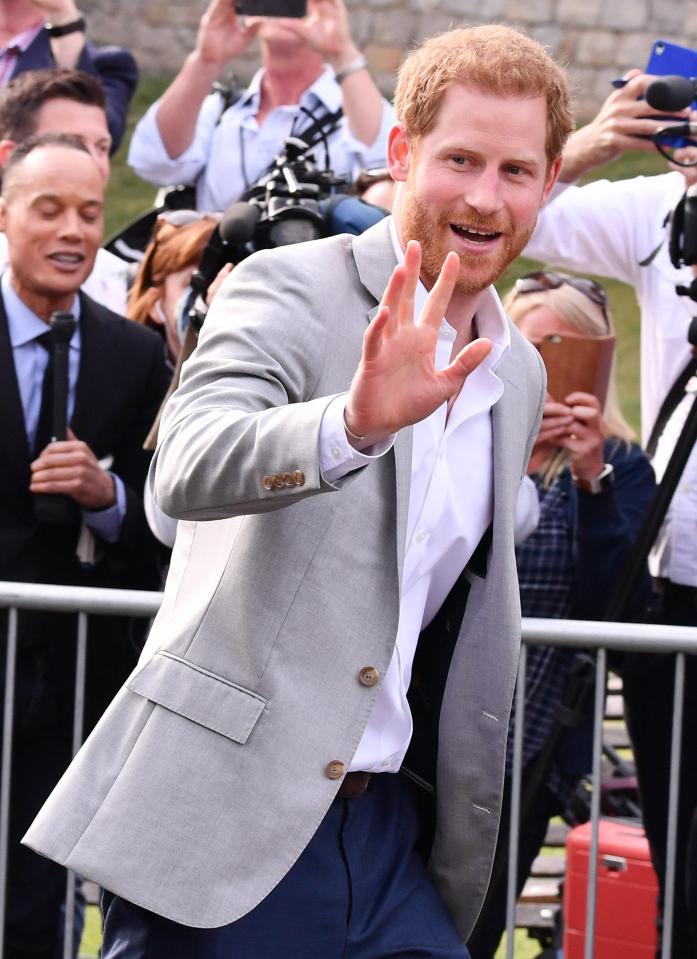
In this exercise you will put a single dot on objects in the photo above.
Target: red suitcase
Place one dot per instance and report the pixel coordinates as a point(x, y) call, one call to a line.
point(625, 926)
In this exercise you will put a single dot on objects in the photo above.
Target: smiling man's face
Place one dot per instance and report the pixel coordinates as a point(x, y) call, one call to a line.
point(52, 215)
point(474, 183)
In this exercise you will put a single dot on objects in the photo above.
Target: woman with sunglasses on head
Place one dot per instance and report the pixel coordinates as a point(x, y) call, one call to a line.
point(162, 282)
point(592, 484)
point(156, 299)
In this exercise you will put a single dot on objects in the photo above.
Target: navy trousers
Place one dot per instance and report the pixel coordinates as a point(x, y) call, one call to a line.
point(358, 891)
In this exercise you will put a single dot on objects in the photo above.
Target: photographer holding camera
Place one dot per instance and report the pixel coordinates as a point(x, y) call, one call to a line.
point(618, 229)
point(311, 71)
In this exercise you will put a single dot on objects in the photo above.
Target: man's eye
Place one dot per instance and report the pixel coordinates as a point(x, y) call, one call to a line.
point(515, 170)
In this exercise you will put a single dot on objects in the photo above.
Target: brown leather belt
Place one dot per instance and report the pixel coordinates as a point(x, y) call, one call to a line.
point(353, 785)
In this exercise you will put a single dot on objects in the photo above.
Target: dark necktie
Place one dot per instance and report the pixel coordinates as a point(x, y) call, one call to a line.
point(45, 422)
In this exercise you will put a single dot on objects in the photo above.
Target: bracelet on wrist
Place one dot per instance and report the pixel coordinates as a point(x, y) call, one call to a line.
point(359, 63)
point(352, 436)
point(64, 29)
point(604, 480)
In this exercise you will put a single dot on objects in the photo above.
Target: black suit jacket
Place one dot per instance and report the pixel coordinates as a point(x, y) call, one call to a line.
point(121, 382)
point(114, 67)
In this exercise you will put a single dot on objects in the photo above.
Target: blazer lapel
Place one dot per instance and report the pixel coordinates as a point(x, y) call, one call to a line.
point(14, 435)
point(375, 260)
point(95, 381)
point(509, 437)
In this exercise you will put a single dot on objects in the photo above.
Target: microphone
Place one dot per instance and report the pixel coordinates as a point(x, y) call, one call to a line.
point(227, 243)
point(62, 327)
point(57, 509)
point(671, 93)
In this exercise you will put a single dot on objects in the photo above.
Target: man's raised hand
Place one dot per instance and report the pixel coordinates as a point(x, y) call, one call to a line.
point(397, 383)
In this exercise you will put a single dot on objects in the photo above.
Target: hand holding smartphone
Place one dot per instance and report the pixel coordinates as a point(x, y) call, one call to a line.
point(271, 8)
point(578, 364)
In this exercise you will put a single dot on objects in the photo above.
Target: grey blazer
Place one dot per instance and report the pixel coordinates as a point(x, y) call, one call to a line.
point(209, 773)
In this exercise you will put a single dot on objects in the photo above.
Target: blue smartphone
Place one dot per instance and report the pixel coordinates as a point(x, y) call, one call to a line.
point(669, 59)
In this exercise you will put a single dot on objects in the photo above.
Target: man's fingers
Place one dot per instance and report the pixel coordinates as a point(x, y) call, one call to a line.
point(392, 296)
point(467, 359)
point(439, 296)
point(372, 338)
point(412, 266)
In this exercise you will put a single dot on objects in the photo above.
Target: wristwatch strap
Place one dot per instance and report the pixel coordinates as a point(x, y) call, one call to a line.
point(604, 480)
point(75, 26)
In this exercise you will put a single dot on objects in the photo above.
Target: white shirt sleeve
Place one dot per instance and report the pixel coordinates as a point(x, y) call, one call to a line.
point(527, 511)
point(164, 527)
point(604, 227)
point(149, 159)
point(337, 458)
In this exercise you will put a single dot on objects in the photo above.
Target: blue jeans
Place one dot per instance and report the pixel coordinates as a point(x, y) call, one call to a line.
point(358, 891)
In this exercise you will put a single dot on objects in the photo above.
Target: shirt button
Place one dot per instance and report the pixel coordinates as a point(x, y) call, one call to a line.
point(369, 676)
point(420, 536)
point(336, 452)
point(335, 769)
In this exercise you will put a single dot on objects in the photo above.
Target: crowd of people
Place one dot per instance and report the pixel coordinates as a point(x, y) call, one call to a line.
point(380, 367)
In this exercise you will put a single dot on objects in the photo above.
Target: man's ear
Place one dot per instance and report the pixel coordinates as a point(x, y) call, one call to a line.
point(7, 148)
point(551, 178)
point(399, 148)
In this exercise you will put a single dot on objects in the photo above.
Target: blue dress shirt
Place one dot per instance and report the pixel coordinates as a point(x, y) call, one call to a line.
point(31, 359)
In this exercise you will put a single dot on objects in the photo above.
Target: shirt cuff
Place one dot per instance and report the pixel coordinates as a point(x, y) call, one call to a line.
point(337, 458)
point(527, 512)
point(106, 523)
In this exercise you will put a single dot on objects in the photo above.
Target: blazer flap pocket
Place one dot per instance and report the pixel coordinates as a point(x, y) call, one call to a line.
point(199, 695)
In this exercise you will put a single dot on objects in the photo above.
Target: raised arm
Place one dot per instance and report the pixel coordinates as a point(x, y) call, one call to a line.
point(326, 29)
point(221, 37)
point(624, 122)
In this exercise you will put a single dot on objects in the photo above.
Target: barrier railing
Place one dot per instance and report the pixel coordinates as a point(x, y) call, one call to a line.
point(575, 634)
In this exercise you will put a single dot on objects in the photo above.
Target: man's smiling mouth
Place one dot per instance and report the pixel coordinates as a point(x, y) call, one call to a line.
point(475, 236)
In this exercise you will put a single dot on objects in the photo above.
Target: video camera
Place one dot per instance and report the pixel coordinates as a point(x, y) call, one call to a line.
point(292, 202)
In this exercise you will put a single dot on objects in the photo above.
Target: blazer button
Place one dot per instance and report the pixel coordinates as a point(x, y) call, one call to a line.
point(299, 478)
point(369, 676)
point(335, 769)
point(288, 479)
point(267, 482)
point(277, 481)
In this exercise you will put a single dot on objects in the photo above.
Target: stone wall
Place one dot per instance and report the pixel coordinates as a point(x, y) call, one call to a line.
point(596, 39)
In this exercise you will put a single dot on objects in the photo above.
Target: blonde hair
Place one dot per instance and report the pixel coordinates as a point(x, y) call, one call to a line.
point(586, 316)
point(493, 58)
point(171, 249)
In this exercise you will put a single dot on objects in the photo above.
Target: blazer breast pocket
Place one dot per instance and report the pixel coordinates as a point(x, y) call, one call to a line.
point(199, 695)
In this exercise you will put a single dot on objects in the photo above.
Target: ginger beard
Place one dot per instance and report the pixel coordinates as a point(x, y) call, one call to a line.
point(477, 272)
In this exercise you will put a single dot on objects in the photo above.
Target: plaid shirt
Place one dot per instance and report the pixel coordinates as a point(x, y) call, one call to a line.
point(546, 575)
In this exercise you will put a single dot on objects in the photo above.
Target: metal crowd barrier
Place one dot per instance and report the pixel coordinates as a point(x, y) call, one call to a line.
point(543, 632)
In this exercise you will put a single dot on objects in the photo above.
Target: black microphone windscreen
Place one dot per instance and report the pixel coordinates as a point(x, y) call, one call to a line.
point(239, 222)
point(671, 93)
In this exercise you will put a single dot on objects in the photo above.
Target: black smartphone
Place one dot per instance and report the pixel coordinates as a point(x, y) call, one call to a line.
point(271, 8)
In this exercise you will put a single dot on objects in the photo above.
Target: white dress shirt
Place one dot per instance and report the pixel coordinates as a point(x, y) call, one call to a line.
point(228, 153)
point(607, 228)
point(107, 283)
point(450, 508)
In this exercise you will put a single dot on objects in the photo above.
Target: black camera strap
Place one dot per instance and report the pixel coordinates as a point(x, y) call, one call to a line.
point(669, 405)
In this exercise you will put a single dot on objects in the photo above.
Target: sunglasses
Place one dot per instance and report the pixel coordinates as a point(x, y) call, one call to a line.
point(182, 217)
point(543, 280)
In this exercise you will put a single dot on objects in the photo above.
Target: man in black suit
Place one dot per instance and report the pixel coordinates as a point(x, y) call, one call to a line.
point(35, 34)
point(51, 213)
